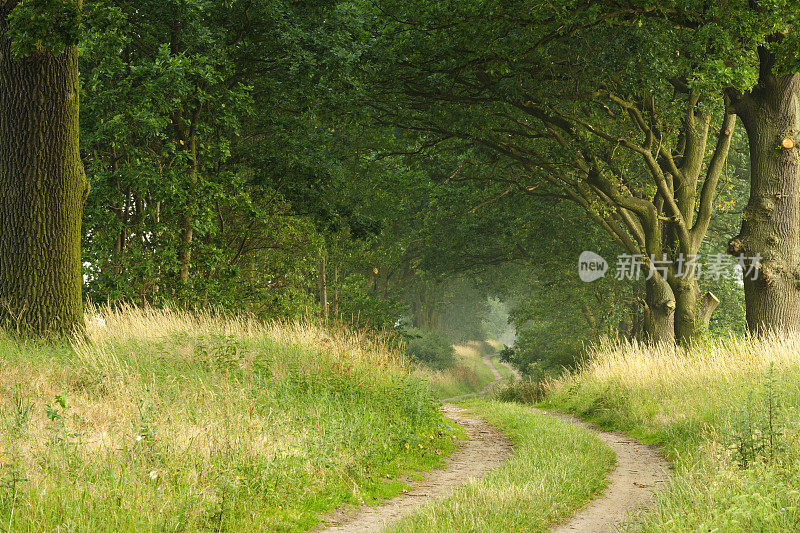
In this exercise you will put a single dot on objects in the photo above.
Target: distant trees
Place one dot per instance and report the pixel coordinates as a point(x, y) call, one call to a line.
point(559, 94)
point(564, 105)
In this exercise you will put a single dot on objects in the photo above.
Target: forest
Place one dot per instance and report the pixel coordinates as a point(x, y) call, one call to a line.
point(265, 262)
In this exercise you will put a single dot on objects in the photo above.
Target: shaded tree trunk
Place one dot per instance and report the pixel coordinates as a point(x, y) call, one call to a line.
point(659, 323)
point(771, 221)
point(187, 232)
point(688, 322)
point(43, 189)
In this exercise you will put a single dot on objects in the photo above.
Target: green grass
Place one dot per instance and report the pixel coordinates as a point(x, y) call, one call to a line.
point(555, 469)
point(728, 421)
point(469, 374)
point(168, 422)
point(505, 372)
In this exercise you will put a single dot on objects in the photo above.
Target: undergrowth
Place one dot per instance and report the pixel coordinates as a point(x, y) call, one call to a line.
point(725, 411)
point(167, 421)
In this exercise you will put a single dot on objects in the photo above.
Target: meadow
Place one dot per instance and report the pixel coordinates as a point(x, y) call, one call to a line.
point(160, 420)
point(725, 411)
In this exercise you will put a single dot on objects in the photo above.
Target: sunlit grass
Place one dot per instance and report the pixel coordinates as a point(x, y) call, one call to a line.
point(163, 420)
point(469, 374)
point(704, 405)
point(555, 469)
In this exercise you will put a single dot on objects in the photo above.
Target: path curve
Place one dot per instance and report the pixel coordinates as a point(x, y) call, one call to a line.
point(483, 450)
point(489, 386)
point(639, 472)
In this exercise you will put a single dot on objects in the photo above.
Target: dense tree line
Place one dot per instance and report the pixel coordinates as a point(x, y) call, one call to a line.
point(391, 163)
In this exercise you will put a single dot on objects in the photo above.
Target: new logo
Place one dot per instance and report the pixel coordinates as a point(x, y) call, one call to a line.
point(591, 267)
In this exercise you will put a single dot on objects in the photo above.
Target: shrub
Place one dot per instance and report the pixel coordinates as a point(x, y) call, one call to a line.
point(526, 391)
point(430, 349)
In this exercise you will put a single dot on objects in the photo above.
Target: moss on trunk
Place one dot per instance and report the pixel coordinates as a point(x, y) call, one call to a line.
point(42, 191)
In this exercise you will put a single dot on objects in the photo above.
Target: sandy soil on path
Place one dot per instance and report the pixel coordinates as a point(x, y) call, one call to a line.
point(637, 475)
point(483, 450)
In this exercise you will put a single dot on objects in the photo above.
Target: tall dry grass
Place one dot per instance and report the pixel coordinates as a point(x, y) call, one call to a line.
point(726, 410)
point(731, 359)
point(161, 419)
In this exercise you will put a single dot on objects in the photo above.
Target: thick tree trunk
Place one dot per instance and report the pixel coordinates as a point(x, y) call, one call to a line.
point(42, 191)
point(688, 323)
point(659, 324)
point(771, 221)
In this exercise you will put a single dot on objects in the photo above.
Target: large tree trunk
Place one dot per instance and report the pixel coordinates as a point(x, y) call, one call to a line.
point(771, 221)
point(659, 324)
point(42, 191)
point(688, 322)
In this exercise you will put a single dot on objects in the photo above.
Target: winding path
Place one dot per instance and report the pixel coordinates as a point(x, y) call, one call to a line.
point(483, 450)
point(638, 472)
point(489, 386)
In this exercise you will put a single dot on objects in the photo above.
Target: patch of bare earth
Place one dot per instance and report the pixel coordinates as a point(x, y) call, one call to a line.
point(483, 450)
point(637, 475)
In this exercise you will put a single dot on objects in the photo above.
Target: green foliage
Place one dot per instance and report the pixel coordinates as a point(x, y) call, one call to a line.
point(752, 432)
point(429, 348)
point(39, 26)
point(495, 321)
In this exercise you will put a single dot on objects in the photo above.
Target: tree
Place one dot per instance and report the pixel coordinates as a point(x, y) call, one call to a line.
point(770, 233)
point(554, 106)
point(748, 49)
point(42, 182)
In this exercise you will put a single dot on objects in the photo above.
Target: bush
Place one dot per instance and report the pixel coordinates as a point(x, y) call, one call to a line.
point(430, 349)
point(527, 391)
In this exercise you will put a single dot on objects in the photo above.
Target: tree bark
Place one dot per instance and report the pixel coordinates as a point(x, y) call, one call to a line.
point(688, 322)
point(771, 221)
point(43, 189)
point(187, 232)
point(659, 324)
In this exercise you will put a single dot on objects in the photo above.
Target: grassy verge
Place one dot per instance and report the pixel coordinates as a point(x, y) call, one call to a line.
point(469, 374)
point(555, 469)
point(505, 372)
point(726, 412)
point(161, 421)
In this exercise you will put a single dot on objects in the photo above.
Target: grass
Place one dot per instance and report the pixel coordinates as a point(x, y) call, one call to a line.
point(505, 372)
point(726, 412)
point(555, 469)
point(165, 421)
point(469, 374)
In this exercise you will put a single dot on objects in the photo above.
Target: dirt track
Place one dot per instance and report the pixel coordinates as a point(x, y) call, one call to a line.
point(483, 450)
point(638, 472)
point(637, 475)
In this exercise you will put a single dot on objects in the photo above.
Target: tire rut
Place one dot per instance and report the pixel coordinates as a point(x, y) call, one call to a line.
point(483, 450)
